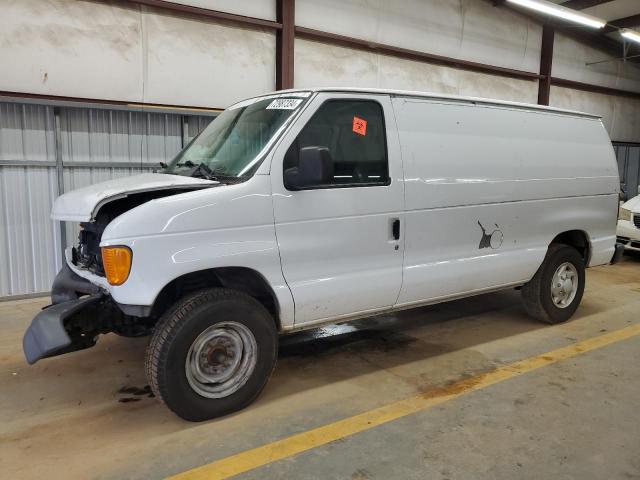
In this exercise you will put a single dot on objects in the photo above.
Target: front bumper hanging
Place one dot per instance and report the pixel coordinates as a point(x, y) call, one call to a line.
point(47, 337)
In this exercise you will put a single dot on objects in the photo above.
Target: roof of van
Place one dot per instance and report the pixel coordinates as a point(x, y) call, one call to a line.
point(442, 96)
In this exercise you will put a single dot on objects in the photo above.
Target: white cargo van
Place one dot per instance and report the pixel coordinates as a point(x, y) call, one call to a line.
point(307, 207)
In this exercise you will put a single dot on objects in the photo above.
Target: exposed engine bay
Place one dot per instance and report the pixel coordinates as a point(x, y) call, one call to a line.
point(103, 315)
point(87, 253)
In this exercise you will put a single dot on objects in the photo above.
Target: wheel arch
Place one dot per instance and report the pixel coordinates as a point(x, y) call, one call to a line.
point(578, 239)
point(243, 279)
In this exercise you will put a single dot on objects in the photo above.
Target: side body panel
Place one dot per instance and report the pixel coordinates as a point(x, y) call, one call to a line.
point(337, 249)
point(227, 226)
point(488, 188)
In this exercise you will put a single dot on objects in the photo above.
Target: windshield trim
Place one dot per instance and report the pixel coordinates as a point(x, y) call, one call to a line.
point(250, 101)
point(259, 158)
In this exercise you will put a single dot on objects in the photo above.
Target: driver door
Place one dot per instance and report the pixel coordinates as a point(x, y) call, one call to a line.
point(341, 243)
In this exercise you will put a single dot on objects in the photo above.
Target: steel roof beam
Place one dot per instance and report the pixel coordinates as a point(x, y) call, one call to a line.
point(626, 22)
point(582, 4)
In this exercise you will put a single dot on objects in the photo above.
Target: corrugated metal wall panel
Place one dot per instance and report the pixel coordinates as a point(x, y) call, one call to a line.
point(164, 137)
point(30, 245)
point(99, 136)
point(26, 132)
point(29, 240)
point(197, 124)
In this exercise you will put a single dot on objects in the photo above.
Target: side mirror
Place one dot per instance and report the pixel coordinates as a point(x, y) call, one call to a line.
point(315, 167)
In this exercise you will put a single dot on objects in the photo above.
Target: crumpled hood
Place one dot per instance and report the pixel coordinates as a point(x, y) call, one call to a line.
point(633, 204)
point(82, 204)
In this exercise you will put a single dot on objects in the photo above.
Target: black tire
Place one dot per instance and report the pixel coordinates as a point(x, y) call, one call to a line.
point(177, 330)
point(536, 294)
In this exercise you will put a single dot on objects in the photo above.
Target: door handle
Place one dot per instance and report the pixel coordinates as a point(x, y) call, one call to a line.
point(395, 229)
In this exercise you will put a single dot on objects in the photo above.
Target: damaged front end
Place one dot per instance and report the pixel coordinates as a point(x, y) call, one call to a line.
point(48, 336)
point(72, 322)
point(81, 310)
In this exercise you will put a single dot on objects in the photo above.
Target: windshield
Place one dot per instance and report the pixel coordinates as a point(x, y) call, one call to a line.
point(230, 147)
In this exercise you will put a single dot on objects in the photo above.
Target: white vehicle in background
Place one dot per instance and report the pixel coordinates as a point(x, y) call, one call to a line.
point(628, 230)
point(308, 207)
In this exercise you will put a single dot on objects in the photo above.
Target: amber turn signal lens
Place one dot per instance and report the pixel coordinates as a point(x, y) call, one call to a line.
point(117, 264)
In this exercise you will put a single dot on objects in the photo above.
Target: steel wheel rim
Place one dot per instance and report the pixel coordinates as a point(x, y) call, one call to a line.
point(564, 285)
point(221, 359)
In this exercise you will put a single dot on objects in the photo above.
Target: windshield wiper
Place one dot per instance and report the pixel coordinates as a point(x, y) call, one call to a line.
point(204, 171)
point(227, 178)
point(188, 163)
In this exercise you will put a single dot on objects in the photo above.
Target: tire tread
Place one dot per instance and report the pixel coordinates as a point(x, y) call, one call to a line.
point(533, 291)
point(169, 326)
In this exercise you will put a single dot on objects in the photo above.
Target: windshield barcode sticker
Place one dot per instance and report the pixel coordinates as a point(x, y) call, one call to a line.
point(284, 104)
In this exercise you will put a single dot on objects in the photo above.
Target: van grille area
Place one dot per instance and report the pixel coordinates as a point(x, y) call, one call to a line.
point(636, 220)
point(628, 242)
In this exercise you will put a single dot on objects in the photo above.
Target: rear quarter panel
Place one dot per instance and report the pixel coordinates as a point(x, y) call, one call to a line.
point(525, 175)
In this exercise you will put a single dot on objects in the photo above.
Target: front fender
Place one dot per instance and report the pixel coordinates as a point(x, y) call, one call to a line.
point(159, 260)
point(230, 226)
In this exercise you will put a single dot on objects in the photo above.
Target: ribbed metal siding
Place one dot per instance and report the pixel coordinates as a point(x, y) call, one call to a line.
point(99, 136)
point(95, 145)
point(196, 124)
point(628, 155)
point(29, 239)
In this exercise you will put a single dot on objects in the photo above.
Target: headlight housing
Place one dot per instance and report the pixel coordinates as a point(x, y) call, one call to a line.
point(624, 214)
point(117, 264)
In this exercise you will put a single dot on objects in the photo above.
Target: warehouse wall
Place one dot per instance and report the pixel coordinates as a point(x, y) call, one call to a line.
point(466, 29)
point(571, 59)
point(121, 51)
point(29, 240)
point(621, 115)
point(327, 65)
point(118, 51)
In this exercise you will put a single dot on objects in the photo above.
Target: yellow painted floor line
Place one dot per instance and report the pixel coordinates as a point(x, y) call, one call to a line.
point(301, 442)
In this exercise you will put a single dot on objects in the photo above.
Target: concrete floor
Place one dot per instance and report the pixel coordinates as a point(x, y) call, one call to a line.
point(88, 414)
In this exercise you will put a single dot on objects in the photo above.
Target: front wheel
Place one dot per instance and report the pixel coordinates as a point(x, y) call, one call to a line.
point(554, 293)
point(212, 354)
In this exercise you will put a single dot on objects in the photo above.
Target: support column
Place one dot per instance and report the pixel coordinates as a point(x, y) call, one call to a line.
point(546, 61)
point(59, 173)
point(285, 37)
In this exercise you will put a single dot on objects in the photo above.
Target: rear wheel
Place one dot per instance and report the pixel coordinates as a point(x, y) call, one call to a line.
point(554, 293)
point(212, 354)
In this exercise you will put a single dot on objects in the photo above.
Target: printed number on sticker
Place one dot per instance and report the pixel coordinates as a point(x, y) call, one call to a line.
point(284, 104)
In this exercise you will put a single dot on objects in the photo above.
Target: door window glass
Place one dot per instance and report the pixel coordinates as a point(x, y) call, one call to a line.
point(353, 133)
